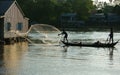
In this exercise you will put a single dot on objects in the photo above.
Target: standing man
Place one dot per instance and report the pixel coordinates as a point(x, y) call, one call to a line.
point(111, 35)
point(65, 35)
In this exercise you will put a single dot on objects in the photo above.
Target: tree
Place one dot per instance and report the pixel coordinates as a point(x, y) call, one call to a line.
point(48, 11)
point(116, 9)
point(116, 2)
point(108, 9)
point(82, 8)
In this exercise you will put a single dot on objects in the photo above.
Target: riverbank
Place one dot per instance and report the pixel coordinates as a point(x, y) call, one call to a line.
point(91, 28)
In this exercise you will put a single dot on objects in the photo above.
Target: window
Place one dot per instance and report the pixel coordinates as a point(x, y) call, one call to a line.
point(19, 26)
point(8, 26)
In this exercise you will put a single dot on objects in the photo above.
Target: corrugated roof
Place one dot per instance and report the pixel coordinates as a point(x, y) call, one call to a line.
point(4, 6)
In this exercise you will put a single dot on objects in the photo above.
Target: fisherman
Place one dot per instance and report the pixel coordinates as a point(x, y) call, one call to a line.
point(65, 35)
point(111, 35)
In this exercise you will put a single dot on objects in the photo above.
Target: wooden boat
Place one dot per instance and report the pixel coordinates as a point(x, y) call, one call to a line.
point(96, 44)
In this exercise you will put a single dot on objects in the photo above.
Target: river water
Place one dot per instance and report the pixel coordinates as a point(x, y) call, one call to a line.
point(53, 59)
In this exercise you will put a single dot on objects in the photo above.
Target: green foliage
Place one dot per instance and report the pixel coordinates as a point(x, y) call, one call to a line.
point(108, 9)
point(112, 9)
point(48, 11)
point(116, 9)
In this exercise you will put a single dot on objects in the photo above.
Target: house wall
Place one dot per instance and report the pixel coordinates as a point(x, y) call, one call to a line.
point(1, 29)
point(14, 16)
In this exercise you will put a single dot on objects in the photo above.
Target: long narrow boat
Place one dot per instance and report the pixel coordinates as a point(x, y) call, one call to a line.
point(91, 44)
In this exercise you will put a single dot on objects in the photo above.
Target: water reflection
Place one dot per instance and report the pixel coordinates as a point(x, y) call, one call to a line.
point(65, 48)
point(50, 59)
point(11, 57)
point(1, 57)
point(1, 51)
point(111, 53)
point(109, 50)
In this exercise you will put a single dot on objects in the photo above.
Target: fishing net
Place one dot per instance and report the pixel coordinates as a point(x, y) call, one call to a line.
point(43, 34)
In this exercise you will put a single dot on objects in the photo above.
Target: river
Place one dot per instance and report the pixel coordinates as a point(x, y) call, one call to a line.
point(53, 59)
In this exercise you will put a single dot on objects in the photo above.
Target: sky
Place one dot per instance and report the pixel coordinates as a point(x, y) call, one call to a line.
point(102, 1)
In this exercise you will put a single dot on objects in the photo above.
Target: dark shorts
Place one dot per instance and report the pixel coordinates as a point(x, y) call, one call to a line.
point(65, 36)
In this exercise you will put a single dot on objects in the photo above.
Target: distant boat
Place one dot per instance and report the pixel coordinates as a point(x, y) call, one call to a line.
point(95, 44)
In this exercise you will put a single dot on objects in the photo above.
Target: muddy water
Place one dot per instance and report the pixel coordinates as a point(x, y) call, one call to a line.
point(52, 59)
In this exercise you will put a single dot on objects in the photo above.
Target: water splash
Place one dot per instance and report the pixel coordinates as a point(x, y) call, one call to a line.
point(40, 34)
point(43, 34)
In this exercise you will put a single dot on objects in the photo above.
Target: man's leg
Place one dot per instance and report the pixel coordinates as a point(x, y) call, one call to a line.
point(109, 40)
point(66, 39)
point(112, 40)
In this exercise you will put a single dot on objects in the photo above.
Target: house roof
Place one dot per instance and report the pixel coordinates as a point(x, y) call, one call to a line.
point(4, 6)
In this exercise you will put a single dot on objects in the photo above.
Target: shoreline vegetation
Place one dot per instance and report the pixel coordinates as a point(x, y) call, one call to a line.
point(116, 28)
